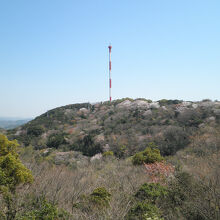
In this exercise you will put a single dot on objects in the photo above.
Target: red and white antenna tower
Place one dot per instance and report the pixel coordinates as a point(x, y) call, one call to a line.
point(110, 69)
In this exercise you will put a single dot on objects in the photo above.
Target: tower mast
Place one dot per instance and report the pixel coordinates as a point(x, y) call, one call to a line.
point(110, 77)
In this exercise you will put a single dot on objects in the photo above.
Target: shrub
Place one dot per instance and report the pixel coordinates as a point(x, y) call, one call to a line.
point(187, 198)
point(35, 130)
point(164, 102)
point(144, 211)
point(98, 200)
point(45, 211)
point(108, 153)
point(12, 174)
point(150, 192)
point(206, 100)
point(169, 102)
point(12, 171)
point(143, 99)
point(118, 101)
point(150, 155)
point(138, 158)
point(40, 208)
point(100, 196)
point(145, 204)
point(120, 151)
point(87, 146)
point(174, 139)
point(55, 140)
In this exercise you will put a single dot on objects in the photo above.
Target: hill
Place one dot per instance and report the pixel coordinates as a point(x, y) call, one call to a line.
point(68, 185)
point(124, 126)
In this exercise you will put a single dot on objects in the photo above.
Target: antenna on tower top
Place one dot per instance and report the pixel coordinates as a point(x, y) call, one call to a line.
point(110, 68)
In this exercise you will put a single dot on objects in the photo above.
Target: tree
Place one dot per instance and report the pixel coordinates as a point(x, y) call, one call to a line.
point(88, 146)
point(35, 130)
point(12, 174)
point(150, 155)
point(144, 211)
point(55, 140)
point(145, 205)
point(97, 201)
point(150, 192)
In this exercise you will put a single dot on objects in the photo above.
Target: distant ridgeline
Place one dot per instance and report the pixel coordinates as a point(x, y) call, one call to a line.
point(123, 126)
point(12, 123)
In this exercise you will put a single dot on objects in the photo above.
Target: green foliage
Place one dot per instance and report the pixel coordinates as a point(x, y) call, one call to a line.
point(169, 102)
point(12, 174)
point(100, 196)
point(98, 200)
point(143, 99)
point(179, 187)
point(12, 171)
point(35, 130)
point(108, 154)
point(118, 101)
point(143, 211)
point(2, 216)
point(55, 140)
point(150, 155)
point(46, 211)
point(151, 192)
point(145, 206)
point(120, 152)
point(206, 100)
point(41, 209)
point(187, 199)
point(138, 158)
point(87, 146)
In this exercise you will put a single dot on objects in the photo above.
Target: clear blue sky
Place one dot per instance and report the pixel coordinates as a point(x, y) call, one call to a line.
point(54, 52)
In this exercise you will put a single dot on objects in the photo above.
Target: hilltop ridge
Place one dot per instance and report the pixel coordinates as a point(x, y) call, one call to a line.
point(123, 126)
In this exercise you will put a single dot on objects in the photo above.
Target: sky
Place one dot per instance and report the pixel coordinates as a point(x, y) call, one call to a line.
point(55, 52)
